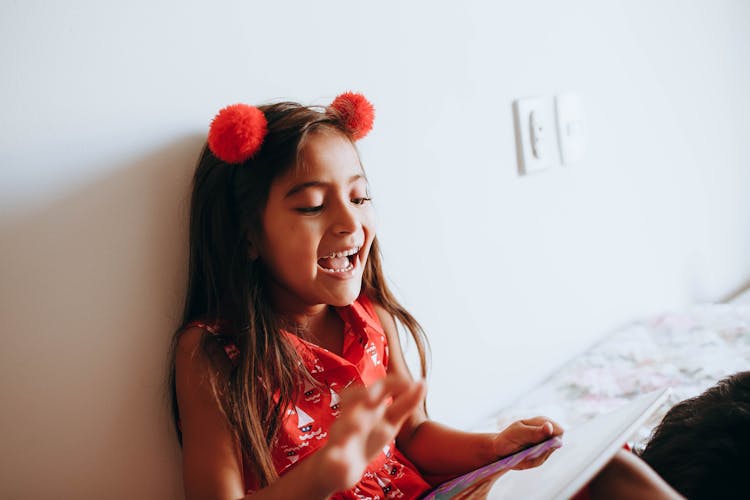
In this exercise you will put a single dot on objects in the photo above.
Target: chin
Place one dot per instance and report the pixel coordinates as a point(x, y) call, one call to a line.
point(345, 298)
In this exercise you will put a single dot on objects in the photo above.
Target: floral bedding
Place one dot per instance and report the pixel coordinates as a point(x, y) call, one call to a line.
point(688, 351)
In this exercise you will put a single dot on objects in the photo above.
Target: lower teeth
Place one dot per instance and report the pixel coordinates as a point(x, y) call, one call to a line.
point(340, 270)
point(347, 268)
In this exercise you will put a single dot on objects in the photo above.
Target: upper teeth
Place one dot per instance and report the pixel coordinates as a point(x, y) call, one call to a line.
point(343, 253)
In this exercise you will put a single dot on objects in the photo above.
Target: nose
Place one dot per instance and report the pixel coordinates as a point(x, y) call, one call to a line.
point(345, 218)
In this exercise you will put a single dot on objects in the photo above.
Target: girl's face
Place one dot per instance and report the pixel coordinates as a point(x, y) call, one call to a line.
point(318, 227)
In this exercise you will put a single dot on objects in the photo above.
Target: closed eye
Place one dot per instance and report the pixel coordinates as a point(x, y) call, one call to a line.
point(309, 210)
point(318, 208)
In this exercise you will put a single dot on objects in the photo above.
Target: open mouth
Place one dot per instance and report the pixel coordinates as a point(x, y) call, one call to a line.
point(340, 262)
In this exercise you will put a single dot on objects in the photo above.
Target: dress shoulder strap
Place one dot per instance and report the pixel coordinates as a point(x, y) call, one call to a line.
point(214, 328)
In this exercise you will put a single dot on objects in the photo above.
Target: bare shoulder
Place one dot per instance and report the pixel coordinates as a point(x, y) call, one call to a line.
point(193, 351)
point(195, 369)
point(189, 342)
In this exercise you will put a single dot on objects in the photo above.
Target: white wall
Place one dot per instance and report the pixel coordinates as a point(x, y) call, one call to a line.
point(105, 105)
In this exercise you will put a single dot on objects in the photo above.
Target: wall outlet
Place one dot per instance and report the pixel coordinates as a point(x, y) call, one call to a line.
point(536, 135)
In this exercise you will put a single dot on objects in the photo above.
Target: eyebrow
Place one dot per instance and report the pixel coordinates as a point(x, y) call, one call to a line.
point(304, 185)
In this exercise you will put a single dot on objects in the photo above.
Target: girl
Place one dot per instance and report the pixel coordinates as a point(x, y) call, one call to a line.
point(288, 378)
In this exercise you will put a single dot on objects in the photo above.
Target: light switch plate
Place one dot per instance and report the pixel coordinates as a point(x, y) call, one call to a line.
point(571, 127)
point(536, 137)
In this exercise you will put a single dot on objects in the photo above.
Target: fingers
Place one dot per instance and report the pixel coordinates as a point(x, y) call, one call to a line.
point(545, 426)
point(372, 416)
point(400, 405)
point(400, 396)
point(524, 433)
point(360, 409)
point(406, 402)
point(376, 393)
point(392, 398)
point(386, 388)
point(534, 462)
point(532, 431)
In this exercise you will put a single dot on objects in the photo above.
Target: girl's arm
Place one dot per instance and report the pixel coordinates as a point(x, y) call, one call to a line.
point(441, 452)
point(212, 460)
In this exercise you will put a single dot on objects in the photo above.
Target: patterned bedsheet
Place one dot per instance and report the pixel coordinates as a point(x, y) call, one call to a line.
point(688, 351)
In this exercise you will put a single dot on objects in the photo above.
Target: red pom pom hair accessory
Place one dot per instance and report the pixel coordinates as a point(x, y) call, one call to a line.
point(237, 131)
point(357, 112)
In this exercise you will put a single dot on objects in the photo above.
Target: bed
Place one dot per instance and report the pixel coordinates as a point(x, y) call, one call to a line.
point(688, 351)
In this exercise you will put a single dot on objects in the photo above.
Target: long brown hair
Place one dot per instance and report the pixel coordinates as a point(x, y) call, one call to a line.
point(225, 284)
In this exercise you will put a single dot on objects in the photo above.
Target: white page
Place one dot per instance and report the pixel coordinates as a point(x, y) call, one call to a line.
point(585, 451)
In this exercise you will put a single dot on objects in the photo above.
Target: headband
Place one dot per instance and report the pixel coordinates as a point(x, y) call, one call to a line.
point(237, 131)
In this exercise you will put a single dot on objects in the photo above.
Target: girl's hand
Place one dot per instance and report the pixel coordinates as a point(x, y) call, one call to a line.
point(524, 434)
point(371, 418)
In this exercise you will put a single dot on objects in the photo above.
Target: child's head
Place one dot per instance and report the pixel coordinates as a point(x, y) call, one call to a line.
point(274, 219)
point(701, 446)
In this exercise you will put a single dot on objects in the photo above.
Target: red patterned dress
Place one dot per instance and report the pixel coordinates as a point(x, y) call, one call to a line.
point(305, 425)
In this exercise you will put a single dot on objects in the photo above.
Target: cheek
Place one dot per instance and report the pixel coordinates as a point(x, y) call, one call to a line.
point(291, 247)
point(368, 223)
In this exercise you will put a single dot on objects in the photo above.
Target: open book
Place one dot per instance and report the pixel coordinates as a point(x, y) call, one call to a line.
point(582, 453)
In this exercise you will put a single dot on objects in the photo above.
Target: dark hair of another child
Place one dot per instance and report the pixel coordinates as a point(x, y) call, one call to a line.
point(702, 446)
